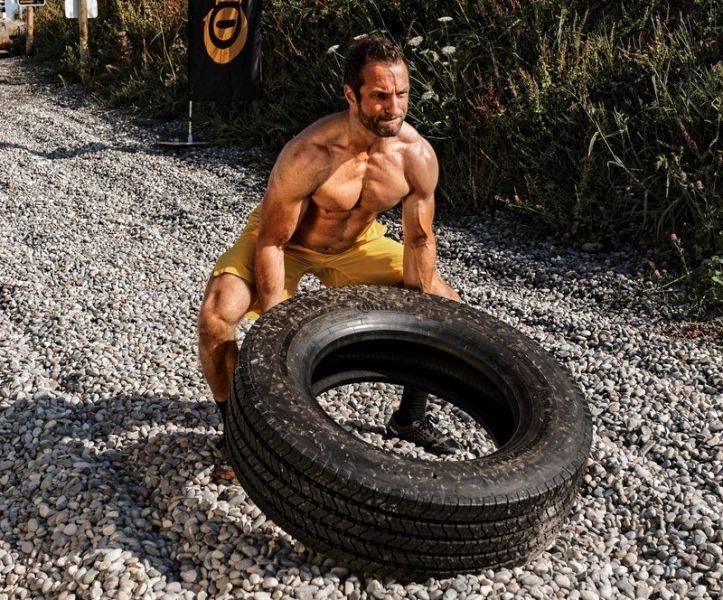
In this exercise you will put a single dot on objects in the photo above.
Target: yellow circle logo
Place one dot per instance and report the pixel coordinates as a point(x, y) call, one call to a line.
point(225, 31)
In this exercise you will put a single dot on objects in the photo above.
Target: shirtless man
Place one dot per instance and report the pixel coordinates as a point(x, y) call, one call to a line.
point(319, 216)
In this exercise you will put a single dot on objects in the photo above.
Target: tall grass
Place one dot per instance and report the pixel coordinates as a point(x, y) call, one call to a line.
point(597, 121)
point(137, 51)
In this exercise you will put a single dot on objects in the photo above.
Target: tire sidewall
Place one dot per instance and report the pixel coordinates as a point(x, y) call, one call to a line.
point(283, 347)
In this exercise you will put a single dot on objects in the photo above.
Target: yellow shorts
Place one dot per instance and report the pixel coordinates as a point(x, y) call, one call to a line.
point(373, 259)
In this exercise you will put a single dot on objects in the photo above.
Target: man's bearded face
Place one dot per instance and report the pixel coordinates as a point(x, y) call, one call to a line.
point(383, 98)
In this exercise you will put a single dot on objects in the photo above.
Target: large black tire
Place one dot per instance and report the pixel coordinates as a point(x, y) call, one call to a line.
point(381, 512)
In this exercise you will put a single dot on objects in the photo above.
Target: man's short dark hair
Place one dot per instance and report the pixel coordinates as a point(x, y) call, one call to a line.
point(370, 48)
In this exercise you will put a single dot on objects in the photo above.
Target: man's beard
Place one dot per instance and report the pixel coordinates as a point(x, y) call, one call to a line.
point(378, 126)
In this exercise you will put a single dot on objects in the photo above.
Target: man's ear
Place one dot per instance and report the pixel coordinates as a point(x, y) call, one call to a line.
point(349, 95)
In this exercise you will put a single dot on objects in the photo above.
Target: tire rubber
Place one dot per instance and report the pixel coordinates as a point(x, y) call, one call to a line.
point(380, 512)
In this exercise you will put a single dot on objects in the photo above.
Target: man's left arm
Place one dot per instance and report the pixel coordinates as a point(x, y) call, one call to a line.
point(420, 249)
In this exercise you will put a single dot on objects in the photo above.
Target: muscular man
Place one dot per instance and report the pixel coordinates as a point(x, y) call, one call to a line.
point(319, 216)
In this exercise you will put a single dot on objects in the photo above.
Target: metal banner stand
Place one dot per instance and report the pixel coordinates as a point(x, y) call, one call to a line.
point(189, 141)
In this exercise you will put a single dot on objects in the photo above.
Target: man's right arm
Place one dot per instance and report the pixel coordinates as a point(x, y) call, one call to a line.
point(293, 180)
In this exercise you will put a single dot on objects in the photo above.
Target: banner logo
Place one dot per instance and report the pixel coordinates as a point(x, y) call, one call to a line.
point(225, 31)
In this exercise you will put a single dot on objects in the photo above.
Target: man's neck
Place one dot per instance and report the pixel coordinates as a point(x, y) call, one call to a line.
point(360, 138)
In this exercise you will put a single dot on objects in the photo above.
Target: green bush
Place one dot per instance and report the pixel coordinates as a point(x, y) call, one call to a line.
point(137, 51)
point(596, 121)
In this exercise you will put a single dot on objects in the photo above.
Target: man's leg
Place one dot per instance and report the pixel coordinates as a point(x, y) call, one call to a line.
point(227, 299)
point(409, 420)
point(379, 260)
point(412, 406)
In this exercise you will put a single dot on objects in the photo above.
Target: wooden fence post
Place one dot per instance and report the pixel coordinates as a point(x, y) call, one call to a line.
point(30, 34)
point(83, 26)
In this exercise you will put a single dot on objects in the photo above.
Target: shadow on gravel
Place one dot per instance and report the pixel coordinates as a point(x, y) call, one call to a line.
point(65, 153)
point(137, 482)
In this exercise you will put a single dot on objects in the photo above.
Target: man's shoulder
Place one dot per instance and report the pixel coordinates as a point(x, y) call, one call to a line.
point(418, 152)
point(321, 132)
point(421, 169)
point(313, 142)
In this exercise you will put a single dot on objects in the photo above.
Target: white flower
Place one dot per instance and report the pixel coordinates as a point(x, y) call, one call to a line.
point(415, 41)
point(449, 50)
point(428, 95)
point(444, 19)
point(332, 49)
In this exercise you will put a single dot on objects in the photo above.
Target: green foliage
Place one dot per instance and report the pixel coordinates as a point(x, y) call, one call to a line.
point(711, 282)
point(137, 53)
point(593, 120)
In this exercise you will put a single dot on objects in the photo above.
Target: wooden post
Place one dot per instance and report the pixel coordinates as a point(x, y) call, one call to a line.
point(30, 34)
point(83, 26)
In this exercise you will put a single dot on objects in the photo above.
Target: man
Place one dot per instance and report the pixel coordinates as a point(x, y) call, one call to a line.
point(318, 216)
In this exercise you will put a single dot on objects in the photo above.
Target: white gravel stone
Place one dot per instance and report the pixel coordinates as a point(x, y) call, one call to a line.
point(107, 427)
point(563, 581)
point(189, 576)
point(26, 547)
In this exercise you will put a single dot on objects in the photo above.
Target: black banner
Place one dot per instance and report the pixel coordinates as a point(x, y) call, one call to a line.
point(224, 49)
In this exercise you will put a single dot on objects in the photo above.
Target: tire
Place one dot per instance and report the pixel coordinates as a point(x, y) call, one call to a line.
point(380, 512)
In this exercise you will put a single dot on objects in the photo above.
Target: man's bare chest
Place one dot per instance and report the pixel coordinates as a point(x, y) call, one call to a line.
point(371, 183)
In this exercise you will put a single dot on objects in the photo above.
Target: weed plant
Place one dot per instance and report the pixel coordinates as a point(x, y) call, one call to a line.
point(137, 53)
point(596, 121)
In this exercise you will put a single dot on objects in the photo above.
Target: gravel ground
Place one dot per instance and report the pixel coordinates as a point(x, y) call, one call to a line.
point(107, 427)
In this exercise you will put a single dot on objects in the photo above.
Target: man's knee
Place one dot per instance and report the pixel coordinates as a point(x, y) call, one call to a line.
point(225, 302)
